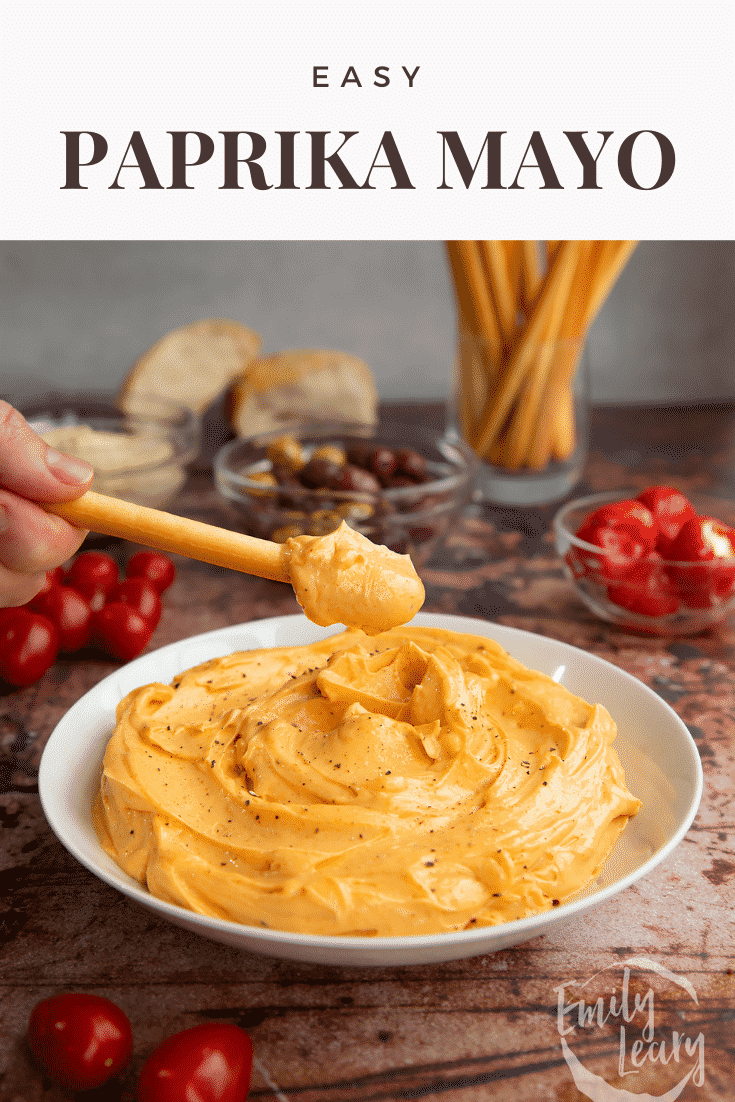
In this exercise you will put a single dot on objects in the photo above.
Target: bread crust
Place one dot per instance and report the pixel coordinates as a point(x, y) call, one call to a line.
point(302, 383)
point(191, 365)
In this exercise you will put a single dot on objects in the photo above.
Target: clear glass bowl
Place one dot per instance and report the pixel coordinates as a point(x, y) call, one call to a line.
point(680, 598)
point(411, 519)
point(138, 456)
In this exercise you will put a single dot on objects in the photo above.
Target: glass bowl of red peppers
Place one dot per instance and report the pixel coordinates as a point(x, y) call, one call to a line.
point(651, 560)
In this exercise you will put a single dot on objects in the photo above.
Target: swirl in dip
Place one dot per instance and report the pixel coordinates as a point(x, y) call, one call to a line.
point(416, 782)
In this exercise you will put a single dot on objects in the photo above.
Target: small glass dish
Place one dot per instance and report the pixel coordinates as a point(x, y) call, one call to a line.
point(412, 518)
point(679, 598)
point(139, 456)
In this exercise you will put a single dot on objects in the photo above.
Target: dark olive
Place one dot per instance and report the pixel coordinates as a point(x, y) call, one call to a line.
point(382, 462)
point(399, 481)
point(411, 463)
point(291, 492)
point(355, 480)
point(281, 473)
point(319, 472)
point(358, 453)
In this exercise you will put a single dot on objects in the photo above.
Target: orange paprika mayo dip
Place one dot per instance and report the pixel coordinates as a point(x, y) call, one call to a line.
point(343, 578)
point(417, 782)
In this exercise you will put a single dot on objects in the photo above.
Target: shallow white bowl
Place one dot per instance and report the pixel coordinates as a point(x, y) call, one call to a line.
point(660, 758)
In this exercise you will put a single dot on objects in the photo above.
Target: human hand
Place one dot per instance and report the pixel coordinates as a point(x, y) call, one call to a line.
point(33, 541)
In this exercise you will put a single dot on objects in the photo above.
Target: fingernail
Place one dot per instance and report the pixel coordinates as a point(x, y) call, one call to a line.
point(67, 468)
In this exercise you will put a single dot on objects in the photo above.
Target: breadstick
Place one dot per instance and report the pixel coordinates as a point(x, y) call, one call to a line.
point(514, 263)
point(563, 429)
point(480, 343)
point(530, 275)
point(475, 305)
point(524, 425)
point(498, 281)
point(168, 532)
point(555, 286)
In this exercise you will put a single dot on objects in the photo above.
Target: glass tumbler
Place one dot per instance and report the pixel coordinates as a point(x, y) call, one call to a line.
point(525, 414)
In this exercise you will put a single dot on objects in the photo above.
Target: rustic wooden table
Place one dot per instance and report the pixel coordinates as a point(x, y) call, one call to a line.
point(476, 1029)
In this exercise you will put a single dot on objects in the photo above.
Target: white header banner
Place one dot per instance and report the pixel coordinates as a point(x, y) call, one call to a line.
point(382, 121)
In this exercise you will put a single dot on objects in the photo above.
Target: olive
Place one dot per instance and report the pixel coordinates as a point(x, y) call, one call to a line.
point(323, 521)
point(291, 492)
point(355, 480)
point(286, 452)
point(423, 504)
point(382, 462)
point(319, 472)
point(281, 473)
point(399, 481)
point(358, 453)
point(411, 463)
point(264, 479)
point(355, 511)
point(332, 452)
point(288, 531)
point(400, 546)
point(293, 516)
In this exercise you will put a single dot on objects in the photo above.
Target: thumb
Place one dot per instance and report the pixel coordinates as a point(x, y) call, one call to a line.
point(32, 469)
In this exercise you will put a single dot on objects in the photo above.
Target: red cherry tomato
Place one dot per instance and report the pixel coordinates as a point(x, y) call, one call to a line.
point(140, 595)
point(80, 1040)
point(645, 589)
point(709, 545)
point(121, 630)
point(154, 567)
point(53, 578)
point(70, 614)
point(630, 516)
point(29, 644)
point(93, 574)
point(209, 1063)
point(670, 510)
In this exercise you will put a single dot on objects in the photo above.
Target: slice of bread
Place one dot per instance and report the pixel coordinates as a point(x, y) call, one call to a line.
point(191, 365)
point(302, 384)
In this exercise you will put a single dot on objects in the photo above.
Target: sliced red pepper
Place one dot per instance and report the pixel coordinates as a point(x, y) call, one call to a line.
point(630, 516)
point(700, 542)
point(645, 589)
point(619, 551)
point(670, 510)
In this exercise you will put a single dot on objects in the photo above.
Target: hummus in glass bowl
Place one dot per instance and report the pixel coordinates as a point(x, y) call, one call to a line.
point(139, 456)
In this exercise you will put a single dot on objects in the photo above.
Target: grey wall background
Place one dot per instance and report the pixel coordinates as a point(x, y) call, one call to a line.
point(75, 315)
